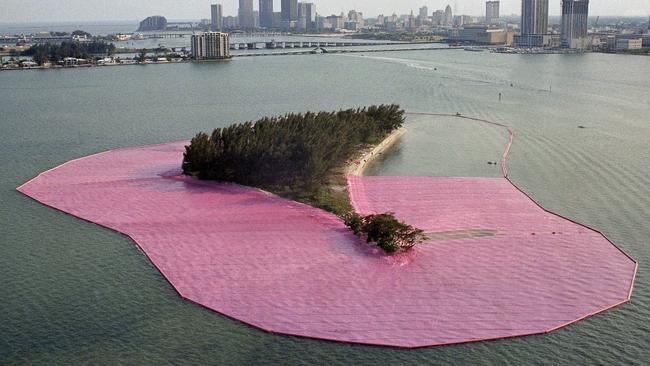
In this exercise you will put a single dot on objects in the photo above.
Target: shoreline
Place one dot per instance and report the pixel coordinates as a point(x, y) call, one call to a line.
point(358, 166)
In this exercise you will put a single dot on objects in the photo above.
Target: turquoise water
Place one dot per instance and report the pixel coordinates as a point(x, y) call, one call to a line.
point(74, 293)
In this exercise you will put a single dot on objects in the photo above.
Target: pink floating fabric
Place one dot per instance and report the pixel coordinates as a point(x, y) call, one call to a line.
point(289, 268)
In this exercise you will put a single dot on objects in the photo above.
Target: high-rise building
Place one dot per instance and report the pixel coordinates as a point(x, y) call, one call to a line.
point(266, 13)
point(491, 11)
point(449, 16)
point(289, 10)
point(573, 31)
point(246, 15)
point(424, 12)
point(534, 17)
point(210, 46)
point(438, 17)
point(311, 12)
point(410, 22)
point(306, 15)
point(217, 17)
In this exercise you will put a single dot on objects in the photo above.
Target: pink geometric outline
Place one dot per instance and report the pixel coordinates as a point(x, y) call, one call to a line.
point(328, 237)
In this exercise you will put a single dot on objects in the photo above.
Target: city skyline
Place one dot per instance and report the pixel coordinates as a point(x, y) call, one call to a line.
point(19, 11)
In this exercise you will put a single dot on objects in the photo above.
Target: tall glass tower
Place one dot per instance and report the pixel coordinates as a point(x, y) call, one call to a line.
point(246, 14)
point(266, 13)
point(575, 14)
point(534, 17)
point(289, 10)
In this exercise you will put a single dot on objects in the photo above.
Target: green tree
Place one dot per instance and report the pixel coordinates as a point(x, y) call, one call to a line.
point(57, 52)
point(143, 55)
point(385, 231)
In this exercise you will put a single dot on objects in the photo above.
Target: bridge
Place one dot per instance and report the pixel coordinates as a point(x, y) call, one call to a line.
point(321, 50)
point(166, 35)
point(302, 44)
point(189, 33)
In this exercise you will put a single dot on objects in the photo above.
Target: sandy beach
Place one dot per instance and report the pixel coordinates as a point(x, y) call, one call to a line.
point(358, 166)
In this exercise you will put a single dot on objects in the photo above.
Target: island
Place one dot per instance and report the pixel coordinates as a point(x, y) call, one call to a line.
point(305, 157)
point(497, 263)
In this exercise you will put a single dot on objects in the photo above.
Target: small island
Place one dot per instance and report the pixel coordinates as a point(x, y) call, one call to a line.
point(289, 268)
point(305, 157)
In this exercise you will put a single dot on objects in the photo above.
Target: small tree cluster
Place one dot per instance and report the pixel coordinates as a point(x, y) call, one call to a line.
point(385, 231)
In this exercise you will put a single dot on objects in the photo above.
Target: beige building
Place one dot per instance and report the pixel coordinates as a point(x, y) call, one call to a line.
point(629, 44)
point(210, 46)
point(481, 34)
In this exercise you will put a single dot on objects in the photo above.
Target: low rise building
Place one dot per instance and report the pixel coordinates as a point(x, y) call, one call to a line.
point(629, 44)
point(537, 41)
point(481, 34)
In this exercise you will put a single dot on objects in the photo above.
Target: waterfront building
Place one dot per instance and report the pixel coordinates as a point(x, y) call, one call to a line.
point(574, 26)
point(216, 22)
point(289, 10)
point(491, 11)
point(266, 13)
point(210, 46)
point(449, 16)
point(481, 34)
point(534, 26)
point(153, 23)
point(629, 44)
point(246, 14)
point(537, 41)
point(534, 17)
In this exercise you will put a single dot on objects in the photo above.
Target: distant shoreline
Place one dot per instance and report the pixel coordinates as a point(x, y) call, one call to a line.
point(303, 53)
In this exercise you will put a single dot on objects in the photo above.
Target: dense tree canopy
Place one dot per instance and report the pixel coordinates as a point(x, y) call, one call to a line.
point(56, 52)
point(295, 150)
point(295, 155)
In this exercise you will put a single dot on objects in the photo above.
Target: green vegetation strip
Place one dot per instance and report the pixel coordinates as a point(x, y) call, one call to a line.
point(54, 53)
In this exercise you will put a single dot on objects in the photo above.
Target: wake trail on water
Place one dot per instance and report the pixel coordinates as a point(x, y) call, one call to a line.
point(416, 64)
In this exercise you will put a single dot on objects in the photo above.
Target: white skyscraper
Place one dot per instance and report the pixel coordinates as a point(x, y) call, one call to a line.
point(210, 46)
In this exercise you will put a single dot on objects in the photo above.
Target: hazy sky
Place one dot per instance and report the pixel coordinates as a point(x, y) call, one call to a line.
point(18, 11)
